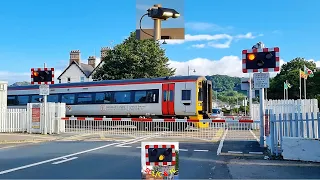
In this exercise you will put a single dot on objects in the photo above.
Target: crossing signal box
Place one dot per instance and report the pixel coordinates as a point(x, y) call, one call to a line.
point(260, 60)
point(42, 76)
point(160, 155)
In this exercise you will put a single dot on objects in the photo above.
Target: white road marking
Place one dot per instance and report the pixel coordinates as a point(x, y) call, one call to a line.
point(139, 147)
point(65, 160)
point(255, 152)
point(235, 152)
point(200, 150)
point(254, 136)
point(122, 146)
point(221, 142)
point(183, 149)
point(70, 155)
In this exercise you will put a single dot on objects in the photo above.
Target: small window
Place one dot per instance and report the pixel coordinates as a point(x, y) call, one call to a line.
point(140, 97)
point(11, 101)
point(85, 98)
point(200, 94)
point(152, 96)
point(53, 98)
point(68, 80)
point(104, 98)
point(82, 79)
point(122, 97)
point(36, 99)
point(186, 95)
point(23, 100)
point(164, 96)
point(67, 98)
point(171, 96)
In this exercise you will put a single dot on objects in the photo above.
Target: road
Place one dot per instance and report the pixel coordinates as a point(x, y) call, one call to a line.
point(121, 160)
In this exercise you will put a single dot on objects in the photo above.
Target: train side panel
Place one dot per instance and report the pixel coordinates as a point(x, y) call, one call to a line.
point(185, 105)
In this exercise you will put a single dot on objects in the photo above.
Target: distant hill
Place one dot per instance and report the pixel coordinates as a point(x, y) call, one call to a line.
point(222, 83)
point(23, 83)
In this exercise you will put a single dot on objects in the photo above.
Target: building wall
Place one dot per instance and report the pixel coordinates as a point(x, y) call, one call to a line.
point(75, 74)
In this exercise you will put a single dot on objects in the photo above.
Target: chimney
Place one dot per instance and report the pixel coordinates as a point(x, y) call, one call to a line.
point(75, 56)
point(92, 61)
point(104, 52)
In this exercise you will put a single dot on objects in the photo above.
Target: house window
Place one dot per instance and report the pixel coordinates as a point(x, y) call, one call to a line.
point(82, 79)
point(68, 80)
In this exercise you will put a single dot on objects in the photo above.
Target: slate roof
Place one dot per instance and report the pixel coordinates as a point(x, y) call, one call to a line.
point(85, 69)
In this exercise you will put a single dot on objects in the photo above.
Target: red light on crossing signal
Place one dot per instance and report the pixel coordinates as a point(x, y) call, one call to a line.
point(251, 57)
point(35, 73)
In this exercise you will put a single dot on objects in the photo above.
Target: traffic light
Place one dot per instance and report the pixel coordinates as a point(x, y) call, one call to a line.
point(160, 154)
point(260, 60)
point(42, 76)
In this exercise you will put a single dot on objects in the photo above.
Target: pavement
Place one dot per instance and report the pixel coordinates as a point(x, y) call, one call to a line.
point(231, 157)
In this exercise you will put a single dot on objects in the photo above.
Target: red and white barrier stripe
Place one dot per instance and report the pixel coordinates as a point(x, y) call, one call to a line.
point(218, 120)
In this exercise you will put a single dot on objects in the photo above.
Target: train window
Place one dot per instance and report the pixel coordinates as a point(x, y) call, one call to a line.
point(23, 100)
point(200, 98)
point(67, 98)
point(171, 96)
point(164, 96)
point(53, 98)
point(140, 97)
point(36, 98)
point(11, 101)
point(84, 98)
point(104, 98)
point(186, 95)
point(122, 97)
point(152, 96)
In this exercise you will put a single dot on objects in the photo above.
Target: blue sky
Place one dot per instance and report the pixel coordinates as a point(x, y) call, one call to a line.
point(34, 31)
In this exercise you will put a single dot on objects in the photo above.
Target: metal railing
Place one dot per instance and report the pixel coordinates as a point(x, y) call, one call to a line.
point(206, 130)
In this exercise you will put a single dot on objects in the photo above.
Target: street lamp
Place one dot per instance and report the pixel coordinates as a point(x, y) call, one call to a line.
point(158, 13)
point(193, 70)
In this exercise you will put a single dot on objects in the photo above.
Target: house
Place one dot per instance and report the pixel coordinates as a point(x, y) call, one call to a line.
point(78, 71)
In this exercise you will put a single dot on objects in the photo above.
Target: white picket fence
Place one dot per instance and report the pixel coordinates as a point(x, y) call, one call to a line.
point(287, 106)
point(13, 120)
point(20, 120)
point(304, 125)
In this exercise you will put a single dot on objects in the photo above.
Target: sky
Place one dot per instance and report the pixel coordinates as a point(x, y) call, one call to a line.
point(34, 32)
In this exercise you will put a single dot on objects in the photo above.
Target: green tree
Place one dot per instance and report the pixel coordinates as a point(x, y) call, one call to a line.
point(290, 72)
point(134, 59)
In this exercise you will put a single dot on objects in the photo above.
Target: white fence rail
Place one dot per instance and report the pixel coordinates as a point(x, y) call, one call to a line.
point(13, 120)
point(287, 106)
point(291, 125)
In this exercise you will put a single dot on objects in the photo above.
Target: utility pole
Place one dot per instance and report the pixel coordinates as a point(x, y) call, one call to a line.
point(45, 109)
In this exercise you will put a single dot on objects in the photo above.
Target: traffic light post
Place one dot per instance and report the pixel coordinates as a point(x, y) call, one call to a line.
point(43, 77)
point(260, 61)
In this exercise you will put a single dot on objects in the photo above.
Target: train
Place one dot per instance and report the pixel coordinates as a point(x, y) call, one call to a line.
point(165, 97)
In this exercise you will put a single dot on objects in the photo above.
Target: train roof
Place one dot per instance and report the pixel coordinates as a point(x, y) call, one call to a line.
point(115, 82)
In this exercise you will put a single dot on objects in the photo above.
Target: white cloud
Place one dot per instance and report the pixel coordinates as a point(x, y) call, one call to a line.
point(201, 26)
point(317, 62)
point(198, 45)
point(227, 65)
point(213, 39)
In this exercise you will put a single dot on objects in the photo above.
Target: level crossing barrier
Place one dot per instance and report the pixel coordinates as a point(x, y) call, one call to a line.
point(302, 125)
point(206, 129)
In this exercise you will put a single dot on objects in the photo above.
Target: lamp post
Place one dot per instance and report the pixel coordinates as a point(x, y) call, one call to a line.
point(194, 70)
point(158, 13)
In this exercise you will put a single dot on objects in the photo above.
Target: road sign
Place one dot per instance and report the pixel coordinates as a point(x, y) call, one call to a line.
point(261, 80)
point(42, 75)
point(44, 90)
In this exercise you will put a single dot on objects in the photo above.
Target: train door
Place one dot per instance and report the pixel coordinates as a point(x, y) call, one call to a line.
point(168, 99)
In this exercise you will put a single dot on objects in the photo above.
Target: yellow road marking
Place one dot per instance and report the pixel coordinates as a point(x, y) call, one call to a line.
point(218, 135)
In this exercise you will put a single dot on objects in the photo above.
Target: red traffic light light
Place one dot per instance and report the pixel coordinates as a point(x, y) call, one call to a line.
point(251, 57)
point(35, 73)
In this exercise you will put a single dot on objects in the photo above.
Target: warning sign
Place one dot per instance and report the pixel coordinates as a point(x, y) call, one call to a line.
point(35, 114)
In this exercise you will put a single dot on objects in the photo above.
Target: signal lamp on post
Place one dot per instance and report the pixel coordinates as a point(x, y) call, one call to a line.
point(251, 57)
